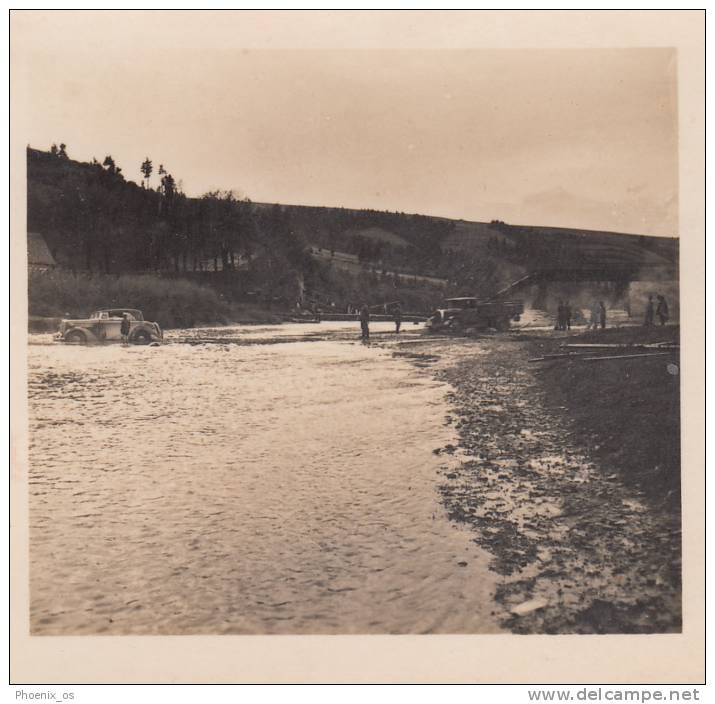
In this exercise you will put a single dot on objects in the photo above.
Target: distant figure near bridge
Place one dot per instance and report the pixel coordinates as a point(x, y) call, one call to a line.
point(649, 312)
point(561, 316)
point(662, 310)
point(567, 316)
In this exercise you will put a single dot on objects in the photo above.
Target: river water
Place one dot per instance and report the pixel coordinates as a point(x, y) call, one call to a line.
point(245, 480)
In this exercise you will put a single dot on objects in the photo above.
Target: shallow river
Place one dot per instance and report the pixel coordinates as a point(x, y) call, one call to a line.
point(244, 480)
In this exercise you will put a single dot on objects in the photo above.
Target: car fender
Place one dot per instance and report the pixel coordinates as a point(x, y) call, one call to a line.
point(89, 334)
point(144, 328)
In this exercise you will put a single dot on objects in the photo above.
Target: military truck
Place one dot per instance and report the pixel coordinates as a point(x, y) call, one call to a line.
point(468, 314)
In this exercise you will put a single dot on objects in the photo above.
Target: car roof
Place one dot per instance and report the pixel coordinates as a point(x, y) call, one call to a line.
point(109, 310)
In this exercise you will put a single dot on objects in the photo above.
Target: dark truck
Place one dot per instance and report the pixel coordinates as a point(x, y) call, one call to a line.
point(465, 315)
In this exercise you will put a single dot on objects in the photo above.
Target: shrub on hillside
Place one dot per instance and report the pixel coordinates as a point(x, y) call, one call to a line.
point(172, 303)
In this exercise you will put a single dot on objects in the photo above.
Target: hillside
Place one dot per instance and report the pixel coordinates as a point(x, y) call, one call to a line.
point(95, 220)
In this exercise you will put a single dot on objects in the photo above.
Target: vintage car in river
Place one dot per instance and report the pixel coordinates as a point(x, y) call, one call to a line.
point(105, 326)
point(467, 314)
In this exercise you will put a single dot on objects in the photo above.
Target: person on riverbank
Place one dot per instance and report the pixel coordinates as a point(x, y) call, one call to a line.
point(567, 316)
point(649, 312)
point(124, 328)
point(365, 321)
point(595, 314)
point(662, 310)
point(397, 315)
point(602, 314)
point(560, 316)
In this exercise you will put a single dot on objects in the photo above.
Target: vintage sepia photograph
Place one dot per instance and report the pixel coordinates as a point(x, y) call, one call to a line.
point(347, 341)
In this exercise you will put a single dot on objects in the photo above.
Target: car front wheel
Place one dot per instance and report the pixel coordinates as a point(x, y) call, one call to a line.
point(76, 337)
point(142, 338)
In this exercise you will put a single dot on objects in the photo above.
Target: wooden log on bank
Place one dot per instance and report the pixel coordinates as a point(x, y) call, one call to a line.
point(620, 346)
point(584, 357)
point(626, 356)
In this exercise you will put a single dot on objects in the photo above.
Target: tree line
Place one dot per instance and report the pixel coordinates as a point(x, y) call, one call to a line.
point(94, 219)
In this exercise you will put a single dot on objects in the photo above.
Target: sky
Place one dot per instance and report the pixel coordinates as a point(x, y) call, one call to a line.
point(583, 138)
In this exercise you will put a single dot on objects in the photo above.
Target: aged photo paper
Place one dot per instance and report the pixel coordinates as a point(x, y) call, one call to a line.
point(357, 346)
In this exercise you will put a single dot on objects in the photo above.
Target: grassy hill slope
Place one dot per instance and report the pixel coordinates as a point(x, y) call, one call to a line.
point(95, 221)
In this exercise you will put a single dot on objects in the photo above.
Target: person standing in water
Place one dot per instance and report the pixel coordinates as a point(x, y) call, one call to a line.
point(365, 321)
point(124, 328)
point(397, 313)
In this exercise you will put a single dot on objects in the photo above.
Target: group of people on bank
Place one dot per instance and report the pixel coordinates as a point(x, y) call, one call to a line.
point(598, 316)
point(563, 316)
point(651, 310)
point(597, 320)
point(365, 319)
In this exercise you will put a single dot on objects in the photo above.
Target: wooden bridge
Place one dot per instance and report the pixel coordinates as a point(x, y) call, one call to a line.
point(618, 263)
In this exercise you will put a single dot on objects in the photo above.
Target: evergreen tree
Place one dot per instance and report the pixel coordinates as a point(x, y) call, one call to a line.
point(146, 169)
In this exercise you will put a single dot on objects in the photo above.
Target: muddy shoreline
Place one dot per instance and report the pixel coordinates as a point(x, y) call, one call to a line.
point(580, 544)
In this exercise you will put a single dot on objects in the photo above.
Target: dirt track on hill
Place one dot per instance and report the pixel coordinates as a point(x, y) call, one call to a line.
point(579, 550)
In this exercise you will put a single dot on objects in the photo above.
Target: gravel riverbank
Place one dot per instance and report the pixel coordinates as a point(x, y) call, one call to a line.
point(580, 542)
